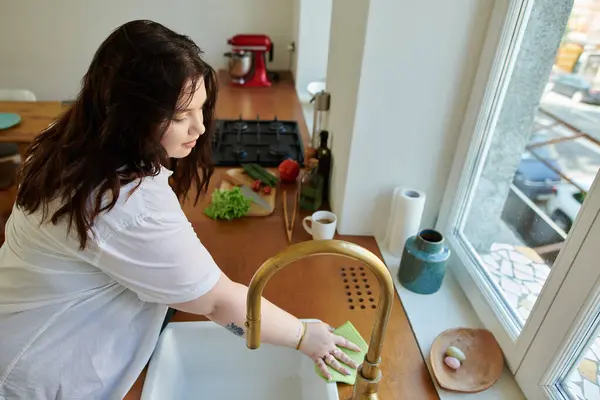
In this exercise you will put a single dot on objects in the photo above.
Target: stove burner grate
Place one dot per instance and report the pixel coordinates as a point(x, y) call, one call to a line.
point(240, 125)
point(265, 142)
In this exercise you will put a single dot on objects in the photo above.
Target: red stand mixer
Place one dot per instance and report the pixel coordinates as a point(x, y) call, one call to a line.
point(247, 60)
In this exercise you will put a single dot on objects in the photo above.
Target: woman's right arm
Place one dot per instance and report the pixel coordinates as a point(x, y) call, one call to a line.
point(225, 304)
point(162, 260)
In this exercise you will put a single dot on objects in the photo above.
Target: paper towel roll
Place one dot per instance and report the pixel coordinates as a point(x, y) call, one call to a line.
point(405, 218)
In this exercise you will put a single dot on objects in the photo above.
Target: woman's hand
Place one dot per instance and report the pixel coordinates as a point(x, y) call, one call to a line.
point(321, 345)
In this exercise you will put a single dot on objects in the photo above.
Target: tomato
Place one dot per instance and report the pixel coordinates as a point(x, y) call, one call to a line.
point(288, 171)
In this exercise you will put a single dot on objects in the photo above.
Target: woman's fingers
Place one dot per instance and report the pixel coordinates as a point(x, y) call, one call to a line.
point(323, 368)
point(343, 342)
point(343, 357)
point(335, 364)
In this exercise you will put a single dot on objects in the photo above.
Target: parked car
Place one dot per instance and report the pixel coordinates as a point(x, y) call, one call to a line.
point(565, 205)
point(574, 86)
point(534, 178)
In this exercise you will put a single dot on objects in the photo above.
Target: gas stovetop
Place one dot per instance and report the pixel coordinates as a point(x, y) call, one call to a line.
point(264, 142)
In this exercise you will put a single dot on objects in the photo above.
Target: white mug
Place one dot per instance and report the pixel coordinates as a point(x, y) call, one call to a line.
point(322, 225)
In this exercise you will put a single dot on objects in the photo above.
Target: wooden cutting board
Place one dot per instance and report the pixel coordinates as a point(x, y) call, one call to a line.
point(255, 209)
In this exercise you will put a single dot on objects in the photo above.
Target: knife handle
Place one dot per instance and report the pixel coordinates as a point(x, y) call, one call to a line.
point(233, 179)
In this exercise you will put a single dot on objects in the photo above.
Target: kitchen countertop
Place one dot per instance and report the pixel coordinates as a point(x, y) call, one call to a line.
point(311, 287)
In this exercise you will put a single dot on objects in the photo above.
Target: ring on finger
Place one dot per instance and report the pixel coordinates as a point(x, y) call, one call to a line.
point(329, 357)
point(340, 355)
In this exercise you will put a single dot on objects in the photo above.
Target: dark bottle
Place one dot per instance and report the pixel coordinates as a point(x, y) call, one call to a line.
point(311, 187)
point(324, 157)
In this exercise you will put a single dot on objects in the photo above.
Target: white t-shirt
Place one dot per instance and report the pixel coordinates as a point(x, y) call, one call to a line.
point(83, 324)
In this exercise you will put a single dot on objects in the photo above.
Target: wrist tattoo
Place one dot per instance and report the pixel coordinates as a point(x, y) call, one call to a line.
point(236, 330)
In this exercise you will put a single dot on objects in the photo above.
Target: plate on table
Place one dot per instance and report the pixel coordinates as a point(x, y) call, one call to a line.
point(8, 120)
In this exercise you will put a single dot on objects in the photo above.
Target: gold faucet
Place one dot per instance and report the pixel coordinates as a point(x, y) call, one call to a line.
point(369, 374)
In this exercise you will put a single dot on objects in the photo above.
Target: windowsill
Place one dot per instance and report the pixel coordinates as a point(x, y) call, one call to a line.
point(451, 309)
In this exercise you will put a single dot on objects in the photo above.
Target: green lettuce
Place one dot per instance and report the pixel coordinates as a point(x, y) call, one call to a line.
point(228, 204)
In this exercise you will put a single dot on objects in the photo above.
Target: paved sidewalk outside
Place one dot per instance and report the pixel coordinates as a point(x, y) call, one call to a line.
point(519, 274)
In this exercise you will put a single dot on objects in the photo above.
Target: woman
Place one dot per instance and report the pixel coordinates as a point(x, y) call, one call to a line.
point(97, 246)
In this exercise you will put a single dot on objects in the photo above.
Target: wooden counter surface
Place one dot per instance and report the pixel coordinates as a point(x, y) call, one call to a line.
point(314, 287)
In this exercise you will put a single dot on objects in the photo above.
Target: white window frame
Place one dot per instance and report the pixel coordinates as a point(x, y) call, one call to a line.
point(505, 34)
point(573, 317)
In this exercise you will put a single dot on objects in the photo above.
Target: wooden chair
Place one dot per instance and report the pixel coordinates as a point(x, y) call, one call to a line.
point(17, 95)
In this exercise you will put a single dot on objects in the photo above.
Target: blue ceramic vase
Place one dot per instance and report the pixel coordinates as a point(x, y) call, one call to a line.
point(423, 263)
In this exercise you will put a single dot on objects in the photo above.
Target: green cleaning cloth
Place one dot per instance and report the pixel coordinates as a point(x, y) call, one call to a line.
point(349, 332)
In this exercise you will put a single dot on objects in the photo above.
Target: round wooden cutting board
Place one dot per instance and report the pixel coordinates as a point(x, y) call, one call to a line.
point(482, 367)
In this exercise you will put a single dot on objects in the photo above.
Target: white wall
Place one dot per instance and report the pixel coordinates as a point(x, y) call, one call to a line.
point(46, 46)
point(295, 34)
point(312, 23)
point(398, 122)
point(347, 40)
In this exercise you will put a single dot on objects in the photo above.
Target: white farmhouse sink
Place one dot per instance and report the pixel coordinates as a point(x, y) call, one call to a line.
point(201, 360)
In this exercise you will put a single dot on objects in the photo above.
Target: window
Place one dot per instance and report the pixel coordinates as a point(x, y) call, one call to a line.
point(521, 207)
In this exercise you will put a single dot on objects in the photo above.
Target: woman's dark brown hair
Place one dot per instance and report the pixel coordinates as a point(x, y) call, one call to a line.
point(111, 135)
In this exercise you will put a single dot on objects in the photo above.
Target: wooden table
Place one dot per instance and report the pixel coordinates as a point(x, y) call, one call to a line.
point(35, 117)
